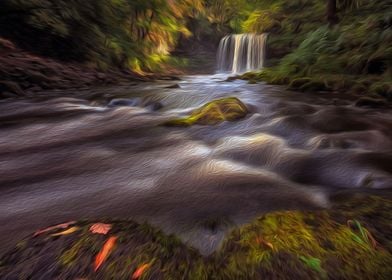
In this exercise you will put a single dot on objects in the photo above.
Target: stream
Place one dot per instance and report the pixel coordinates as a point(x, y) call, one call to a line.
point(75, 157)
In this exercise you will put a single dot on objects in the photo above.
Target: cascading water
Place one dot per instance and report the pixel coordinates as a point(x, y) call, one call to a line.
point(240, 53)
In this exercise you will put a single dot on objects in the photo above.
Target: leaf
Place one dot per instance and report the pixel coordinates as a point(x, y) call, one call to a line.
point(66, 232)
point(262, 241)
point(60, 226)
point(100, 228)
point(105, 252)
point(140, 270)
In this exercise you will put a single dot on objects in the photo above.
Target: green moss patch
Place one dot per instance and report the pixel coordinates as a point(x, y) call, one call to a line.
point(214, 112)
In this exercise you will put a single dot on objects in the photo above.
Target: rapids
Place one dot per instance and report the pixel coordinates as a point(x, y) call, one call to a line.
point(74, 158)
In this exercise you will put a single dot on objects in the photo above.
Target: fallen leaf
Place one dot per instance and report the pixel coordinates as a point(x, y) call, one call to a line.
point(140, 270)
point(100, 228)
point(261, 241)
point(64, 225)
point(105, 252)
point(65, 232)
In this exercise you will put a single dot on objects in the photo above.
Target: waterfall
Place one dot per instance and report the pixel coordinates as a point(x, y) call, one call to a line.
point(240, 53)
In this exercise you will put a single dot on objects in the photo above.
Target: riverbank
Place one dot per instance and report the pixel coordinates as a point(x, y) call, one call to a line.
point(24, 74)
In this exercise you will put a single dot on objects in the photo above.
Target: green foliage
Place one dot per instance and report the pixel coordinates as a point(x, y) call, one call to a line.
point(261, 21)
point(122, 33)
point(355, 54)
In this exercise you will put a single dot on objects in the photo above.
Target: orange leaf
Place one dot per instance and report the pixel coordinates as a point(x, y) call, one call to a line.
point(261, 241)
point(105, 252)
point(64, 225)
point(140, 270)
point(65, 232)
point(100, 228)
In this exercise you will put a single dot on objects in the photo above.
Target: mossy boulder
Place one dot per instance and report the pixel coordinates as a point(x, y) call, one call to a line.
point(214, 112)
point(250, 76)
point(352, 240)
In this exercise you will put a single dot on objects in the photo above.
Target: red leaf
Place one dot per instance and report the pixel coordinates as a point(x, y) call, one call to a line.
point(100, 228)
point(140, 270)
point(105, 252)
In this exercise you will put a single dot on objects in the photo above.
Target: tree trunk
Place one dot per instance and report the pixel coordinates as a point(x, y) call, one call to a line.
point(332, 12)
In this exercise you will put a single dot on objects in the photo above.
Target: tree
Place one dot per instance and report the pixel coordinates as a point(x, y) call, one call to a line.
point(332, 12)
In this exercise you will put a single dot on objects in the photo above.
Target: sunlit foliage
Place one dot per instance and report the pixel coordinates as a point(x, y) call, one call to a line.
point(128, 33)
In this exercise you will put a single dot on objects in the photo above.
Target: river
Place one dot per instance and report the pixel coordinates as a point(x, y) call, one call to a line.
point(74, 157)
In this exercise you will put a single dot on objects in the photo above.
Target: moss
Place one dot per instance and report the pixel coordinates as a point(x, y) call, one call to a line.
point(214, 112)
point(352, 239)
point(328, 247)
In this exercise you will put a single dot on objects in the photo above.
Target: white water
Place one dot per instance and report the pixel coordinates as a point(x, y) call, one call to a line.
point(239, 53)
point(73, 158)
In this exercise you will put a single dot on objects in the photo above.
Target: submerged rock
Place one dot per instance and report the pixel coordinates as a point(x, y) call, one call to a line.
point(124, 102)
point(214, 112)
point(370, 102)
point(154, 105)
point(174, 86)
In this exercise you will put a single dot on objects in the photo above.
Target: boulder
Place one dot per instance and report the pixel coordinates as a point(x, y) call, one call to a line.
point(214, 112)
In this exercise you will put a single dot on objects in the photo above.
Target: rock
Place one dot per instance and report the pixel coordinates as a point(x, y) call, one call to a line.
point(231, 79)
point(174, 86)
point(154, 105)
point(297, 83)
point(101, 76)
point(313, 85)
point(382, 89)
point(7, 94)
point(214, 112)
point(371, 102)
point(340, 102)
point(6, 45)
point(8, 86)
point(117, 102)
